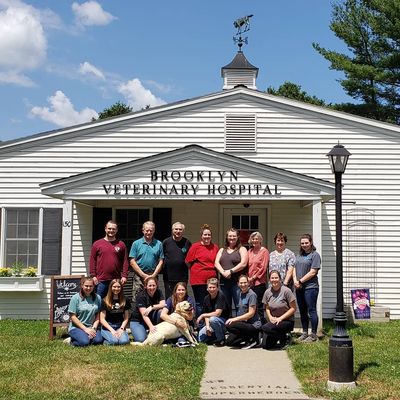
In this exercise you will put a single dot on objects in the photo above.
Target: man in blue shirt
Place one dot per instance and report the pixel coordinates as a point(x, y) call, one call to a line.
point(146, 256)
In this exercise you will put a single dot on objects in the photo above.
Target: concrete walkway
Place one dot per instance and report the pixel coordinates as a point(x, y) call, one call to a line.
point(249, 374)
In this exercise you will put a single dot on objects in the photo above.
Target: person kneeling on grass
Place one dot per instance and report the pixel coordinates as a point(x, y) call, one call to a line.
point(246, 325)
point(114, 316)
point(146, 312)
point(216, 311)
point(84, 310)
point(280, 306)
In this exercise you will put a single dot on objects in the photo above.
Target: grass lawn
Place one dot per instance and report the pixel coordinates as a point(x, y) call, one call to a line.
point(376, 363)
point(32, 367)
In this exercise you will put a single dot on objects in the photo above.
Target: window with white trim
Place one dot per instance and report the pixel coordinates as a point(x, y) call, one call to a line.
point(22, 237)
point(240, 133)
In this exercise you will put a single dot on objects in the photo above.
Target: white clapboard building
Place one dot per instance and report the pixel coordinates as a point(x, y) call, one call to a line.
point(238, 157)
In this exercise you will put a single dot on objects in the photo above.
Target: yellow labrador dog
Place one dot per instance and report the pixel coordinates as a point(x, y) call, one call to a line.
point(165, 330)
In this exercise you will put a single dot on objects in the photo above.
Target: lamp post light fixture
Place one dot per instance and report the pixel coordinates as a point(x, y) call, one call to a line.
point(341, 364)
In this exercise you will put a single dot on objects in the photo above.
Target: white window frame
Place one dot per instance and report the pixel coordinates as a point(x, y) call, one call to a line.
point(3, 238)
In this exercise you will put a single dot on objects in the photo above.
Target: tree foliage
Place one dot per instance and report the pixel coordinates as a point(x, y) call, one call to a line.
point(371, 31)
point(293, 91)
point(117, 108)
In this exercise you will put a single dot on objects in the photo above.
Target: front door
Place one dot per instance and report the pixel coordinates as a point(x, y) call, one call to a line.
point(247, 220)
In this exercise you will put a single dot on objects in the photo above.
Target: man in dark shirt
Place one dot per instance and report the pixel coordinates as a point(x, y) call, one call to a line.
point(216, 311)
point(108, 260)
point(175, 249)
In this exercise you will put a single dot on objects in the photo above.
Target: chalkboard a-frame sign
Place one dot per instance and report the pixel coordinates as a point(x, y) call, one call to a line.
point(63, 287)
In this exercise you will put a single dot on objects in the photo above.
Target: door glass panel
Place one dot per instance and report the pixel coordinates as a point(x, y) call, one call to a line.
point(130, 223)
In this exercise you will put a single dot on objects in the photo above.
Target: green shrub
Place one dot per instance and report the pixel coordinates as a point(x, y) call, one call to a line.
point(17, 268)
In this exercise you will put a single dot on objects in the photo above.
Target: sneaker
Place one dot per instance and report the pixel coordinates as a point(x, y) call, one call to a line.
point(220, 343)
point(303, 337)
point(289, 339)
point(67, 341)
point(183, 344)
point(311, 338)
point(251, 345)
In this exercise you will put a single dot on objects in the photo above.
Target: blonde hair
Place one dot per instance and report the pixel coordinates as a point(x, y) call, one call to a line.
point(253, 235)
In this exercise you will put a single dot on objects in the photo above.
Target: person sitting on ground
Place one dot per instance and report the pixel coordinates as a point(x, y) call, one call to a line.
point(84, 308)
point(216, 311)
point(179, 294)
point(114, 316)
point(280, 307)
point(146, 312)
point(245, 326)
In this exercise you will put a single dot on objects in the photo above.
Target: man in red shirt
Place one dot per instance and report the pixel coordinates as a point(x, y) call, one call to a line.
point(108, 260)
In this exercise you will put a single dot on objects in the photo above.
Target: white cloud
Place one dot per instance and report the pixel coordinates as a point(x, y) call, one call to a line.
point(62, 112)
point(160, 86)
point(91, 13)
point(138, 96)
point(88, 69)
point(15, 78)
point(23, 44)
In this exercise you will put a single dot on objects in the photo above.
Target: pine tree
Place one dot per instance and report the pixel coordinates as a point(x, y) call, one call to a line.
point(371, 31)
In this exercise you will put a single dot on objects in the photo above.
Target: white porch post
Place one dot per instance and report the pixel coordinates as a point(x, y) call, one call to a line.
point(317, 239)
point(66, 251)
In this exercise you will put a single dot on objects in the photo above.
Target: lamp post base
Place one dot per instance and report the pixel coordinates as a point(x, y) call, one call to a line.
point(341, 369)
point(337, 386)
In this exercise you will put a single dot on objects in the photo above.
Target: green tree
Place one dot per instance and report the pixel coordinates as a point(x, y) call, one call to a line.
point(117, 108)
point(293, 91)
point(371, 31)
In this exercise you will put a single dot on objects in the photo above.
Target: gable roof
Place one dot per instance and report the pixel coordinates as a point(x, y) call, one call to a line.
point(190, 159)
point(390, 130)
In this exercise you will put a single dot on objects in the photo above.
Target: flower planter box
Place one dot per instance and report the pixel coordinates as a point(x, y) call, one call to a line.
point(21, 284)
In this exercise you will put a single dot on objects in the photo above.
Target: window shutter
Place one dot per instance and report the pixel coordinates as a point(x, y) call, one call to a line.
point(240, 132)
point(51, 241)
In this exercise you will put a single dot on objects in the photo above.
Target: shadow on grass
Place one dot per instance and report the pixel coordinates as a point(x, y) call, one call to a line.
point(363, 367)
point(353, 328)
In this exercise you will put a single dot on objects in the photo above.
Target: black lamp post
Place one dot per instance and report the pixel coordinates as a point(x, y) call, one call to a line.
point(341, 373)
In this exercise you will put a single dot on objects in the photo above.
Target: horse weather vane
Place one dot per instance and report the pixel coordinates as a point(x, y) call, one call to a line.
point(242, 25)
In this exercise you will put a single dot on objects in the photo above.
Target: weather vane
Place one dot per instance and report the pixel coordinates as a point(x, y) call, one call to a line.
point(242, 25)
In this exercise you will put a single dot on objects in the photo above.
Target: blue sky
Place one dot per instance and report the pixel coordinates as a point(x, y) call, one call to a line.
point(62, 61)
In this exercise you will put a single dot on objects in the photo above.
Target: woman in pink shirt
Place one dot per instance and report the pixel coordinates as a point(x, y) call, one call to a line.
point(258, 265)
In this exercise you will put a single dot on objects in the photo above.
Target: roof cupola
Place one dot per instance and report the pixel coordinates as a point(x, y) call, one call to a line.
point(239, 72)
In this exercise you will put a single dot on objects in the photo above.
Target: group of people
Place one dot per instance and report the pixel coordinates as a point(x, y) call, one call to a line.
point(238, 293)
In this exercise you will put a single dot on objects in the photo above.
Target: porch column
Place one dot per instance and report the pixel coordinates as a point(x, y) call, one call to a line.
point(317, 239)
point(66, 250)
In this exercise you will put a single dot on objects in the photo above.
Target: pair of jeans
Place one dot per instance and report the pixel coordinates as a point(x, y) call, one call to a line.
point(231, 291)
point(102, 288)
point(307, 302)
point(217, 324)
point(80, 338)
point(139, 328)
point(110, 339)
point(259, 290)
point(199, 292)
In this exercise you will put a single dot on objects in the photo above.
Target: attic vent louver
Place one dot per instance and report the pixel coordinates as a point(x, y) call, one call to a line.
point(240, 133)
